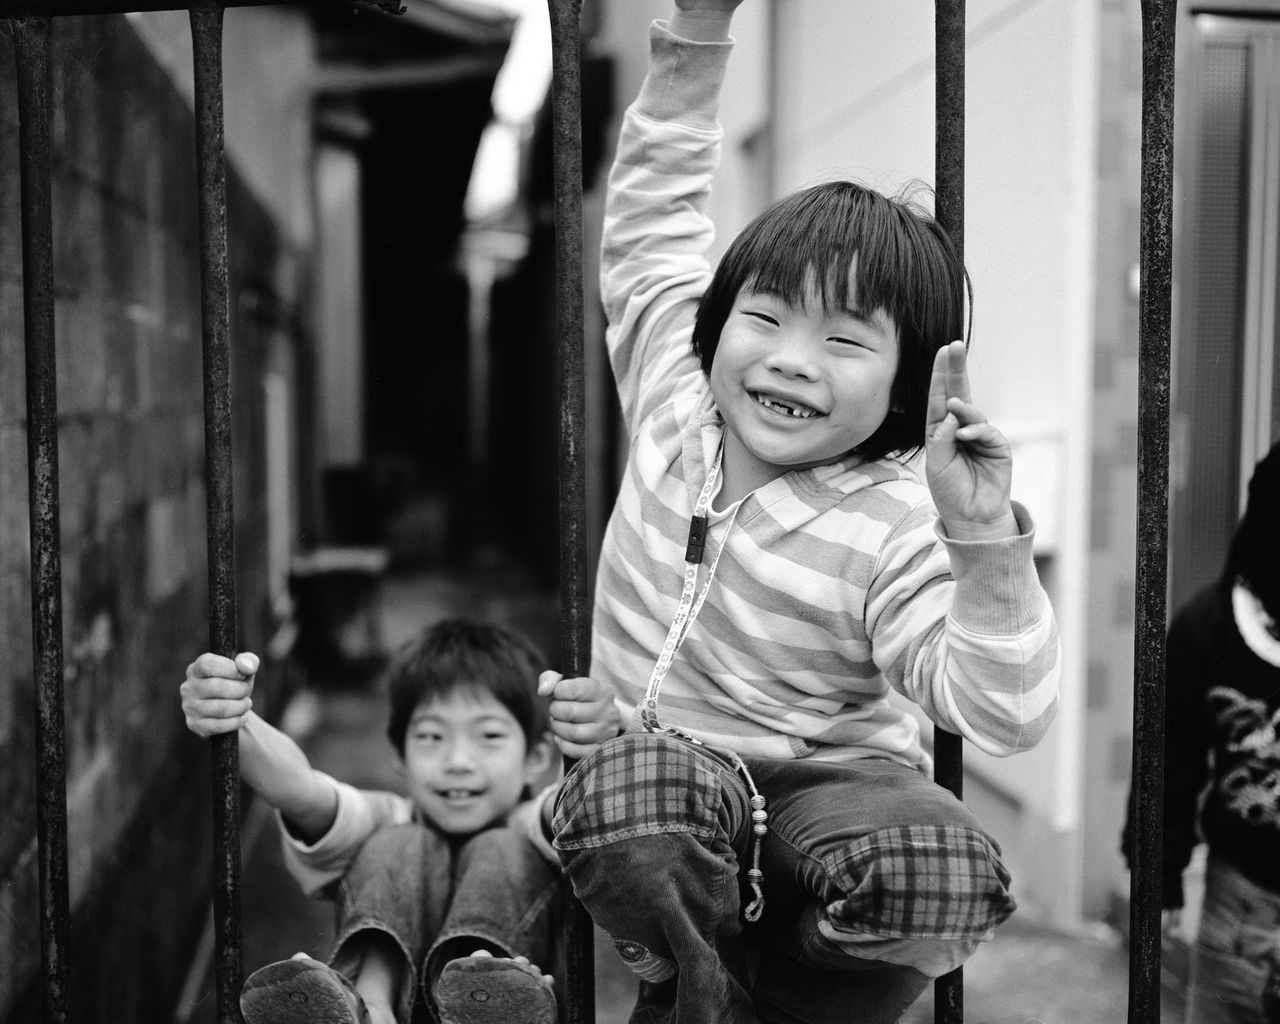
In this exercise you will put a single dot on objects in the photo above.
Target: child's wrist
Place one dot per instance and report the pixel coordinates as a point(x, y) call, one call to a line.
point(1002, 528)
point(700, 26)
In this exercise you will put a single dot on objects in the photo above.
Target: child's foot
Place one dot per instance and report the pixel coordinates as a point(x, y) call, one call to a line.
point(485, 989)
point(300, 991)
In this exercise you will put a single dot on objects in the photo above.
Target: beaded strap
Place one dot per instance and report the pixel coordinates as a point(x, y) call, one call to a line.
point(686, 612)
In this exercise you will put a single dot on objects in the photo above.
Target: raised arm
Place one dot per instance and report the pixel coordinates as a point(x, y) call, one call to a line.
point(217, 699)
point(656, 236)
point(703, 21)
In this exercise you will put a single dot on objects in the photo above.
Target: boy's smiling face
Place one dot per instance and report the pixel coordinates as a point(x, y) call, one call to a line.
point(798, 386)
point(467, 762)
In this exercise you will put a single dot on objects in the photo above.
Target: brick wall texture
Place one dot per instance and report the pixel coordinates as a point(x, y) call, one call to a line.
point(131, 451)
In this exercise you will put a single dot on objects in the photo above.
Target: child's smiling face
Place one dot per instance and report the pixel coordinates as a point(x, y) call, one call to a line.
point(798, 386)
point(467, 762)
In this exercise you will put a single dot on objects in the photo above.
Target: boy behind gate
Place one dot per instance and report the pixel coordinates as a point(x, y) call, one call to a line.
point(448, 898)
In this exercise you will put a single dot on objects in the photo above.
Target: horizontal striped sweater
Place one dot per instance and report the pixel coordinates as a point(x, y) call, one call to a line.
point(833, 585)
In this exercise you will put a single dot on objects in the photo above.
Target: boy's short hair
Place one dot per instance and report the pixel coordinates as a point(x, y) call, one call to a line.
point(906, 265)
point(458, 654)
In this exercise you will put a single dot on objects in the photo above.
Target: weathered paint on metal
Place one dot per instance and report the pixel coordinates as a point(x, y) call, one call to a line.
point(1154, 334)
point(948, 156)
point(566, 127)
point(31, 48)
point(211, 174)
point(567, 149)
point(949, 83)
point(64, 8)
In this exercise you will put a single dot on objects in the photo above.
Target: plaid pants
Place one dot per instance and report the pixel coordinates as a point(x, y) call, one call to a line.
point(875, 880)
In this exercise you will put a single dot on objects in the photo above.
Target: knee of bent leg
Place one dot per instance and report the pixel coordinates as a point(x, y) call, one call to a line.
point(398, 843)
point(636, 785)
point(925, 882)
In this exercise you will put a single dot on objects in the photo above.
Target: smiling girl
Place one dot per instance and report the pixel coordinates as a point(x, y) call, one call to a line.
point(773, 571)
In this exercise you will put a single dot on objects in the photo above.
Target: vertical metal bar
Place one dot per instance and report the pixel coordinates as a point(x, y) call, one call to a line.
point(566, 125)
point(206, 35)
point(1154, 331)
point(948, 155)
point(31, 46)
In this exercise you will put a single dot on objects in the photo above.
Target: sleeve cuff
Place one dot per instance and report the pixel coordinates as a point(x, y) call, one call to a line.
point(530, 822)
point(995, 578)
point(684, 79)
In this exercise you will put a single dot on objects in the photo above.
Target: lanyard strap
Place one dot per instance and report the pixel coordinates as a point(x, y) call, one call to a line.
point(688, 608)
point(686, 612)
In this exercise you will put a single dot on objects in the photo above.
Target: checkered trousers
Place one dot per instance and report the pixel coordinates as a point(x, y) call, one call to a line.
point(890, 865)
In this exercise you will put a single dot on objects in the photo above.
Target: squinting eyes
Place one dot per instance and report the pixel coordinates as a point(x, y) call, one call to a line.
point(435, 737)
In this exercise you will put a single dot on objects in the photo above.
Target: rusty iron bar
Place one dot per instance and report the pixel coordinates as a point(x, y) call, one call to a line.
point(1155, 304)
point(948, 156)
point(63, 8)
point(34, 76)
point(566, 129)
point(206, 36)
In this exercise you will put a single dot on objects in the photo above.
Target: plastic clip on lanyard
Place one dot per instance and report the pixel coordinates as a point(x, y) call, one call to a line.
point(686, 612)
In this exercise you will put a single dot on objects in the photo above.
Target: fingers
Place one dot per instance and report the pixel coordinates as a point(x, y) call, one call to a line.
point(982, 438)
point(949, 380)
point(582, 732)
point(966, 424)
point(583, 714)
point(577, 751)
point(547, 683)
point(215, 666)
point(558, 688)
point(216, 693)
point(211, 716)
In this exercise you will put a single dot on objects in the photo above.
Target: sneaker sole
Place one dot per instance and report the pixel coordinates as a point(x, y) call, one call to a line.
point(487, 990)
point(299, 992)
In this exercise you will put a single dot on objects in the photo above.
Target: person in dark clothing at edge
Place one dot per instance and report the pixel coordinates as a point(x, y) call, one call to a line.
point(1222, 769)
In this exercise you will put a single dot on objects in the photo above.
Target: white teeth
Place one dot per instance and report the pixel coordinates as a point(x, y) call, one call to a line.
point(790, 410)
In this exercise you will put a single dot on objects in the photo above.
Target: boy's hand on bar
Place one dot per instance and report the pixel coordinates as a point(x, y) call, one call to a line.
point(583, 713)
point(217, 692)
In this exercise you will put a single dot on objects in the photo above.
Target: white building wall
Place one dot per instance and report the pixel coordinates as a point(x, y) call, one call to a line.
point(856, 99)
point(268, 61)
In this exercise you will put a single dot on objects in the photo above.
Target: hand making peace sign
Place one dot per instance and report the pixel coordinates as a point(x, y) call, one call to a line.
point(968, 462)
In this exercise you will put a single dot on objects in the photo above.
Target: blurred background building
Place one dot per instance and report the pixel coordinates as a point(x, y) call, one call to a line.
point(391, 262)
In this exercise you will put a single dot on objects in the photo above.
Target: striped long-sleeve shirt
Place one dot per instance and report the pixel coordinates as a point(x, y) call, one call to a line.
point(833, 585)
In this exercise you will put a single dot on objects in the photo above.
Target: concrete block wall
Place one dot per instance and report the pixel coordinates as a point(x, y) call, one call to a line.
point(1113, 483)
point(133, 523)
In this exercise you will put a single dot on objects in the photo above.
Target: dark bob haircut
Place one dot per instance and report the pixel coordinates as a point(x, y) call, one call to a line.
point(1254, 556)
point(455, 655)
point(902, 262)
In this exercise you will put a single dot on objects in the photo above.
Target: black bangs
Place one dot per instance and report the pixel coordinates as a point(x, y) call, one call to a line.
point(836, 235)
point(460, 655)
point(1254, 555)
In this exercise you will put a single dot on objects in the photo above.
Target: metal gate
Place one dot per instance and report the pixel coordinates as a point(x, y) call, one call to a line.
point(30, 22)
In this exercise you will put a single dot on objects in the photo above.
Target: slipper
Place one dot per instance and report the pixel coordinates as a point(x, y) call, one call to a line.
point(300, 991)
point(493, 990)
